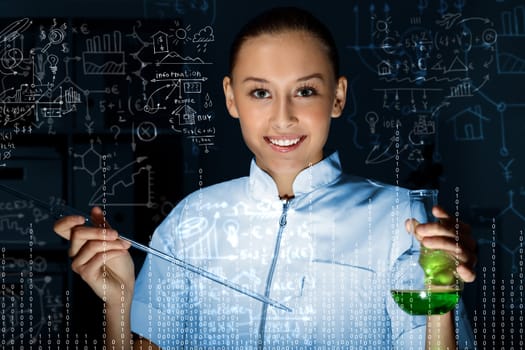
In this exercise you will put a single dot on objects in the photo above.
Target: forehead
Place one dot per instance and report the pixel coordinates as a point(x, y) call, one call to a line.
point(282, 53)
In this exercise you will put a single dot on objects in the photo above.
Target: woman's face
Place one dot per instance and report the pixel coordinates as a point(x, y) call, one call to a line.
point(284, 92)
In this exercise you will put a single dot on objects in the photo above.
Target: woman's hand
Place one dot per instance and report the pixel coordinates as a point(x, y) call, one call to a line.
point(455, 238)
point(452, 237)
point(99, 257)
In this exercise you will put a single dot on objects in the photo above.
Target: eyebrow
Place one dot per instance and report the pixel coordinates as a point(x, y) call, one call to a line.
point(305, 78)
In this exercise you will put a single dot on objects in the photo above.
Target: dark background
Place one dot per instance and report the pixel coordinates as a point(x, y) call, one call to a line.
point(447, 75)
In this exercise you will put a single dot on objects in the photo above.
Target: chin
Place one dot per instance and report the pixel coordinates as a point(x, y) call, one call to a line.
point(288, 165)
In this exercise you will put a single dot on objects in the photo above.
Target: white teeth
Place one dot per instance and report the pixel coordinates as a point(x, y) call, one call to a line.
point(285, 142)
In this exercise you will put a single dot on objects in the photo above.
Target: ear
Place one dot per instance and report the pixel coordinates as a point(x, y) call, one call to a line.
point(340, 97)
point(229, 96)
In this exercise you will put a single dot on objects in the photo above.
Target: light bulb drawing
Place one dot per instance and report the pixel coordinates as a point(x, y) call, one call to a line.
point(53, 61)
point(372, 118)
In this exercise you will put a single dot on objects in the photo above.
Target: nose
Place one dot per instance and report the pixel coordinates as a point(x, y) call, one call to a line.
point(283, 113)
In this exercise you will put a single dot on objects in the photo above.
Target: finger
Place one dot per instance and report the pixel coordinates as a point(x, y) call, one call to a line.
point(98, 218)
point(81, 234)
point(90, 271)
point(466, 273)
point(64, 225)
point(465, 263)
point(451, 247)
point(466, 258)
point(439, 212)
point(451, 223)
point(94, 248)
point(444, 227)
point(421, 231)
point(433, 229)
point(444, 219)
point(448, 228)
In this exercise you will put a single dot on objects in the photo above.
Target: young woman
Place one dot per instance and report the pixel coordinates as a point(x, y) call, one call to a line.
point(296, 230)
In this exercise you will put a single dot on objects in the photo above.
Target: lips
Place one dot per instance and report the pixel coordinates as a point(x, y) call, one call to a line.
point(285, 143)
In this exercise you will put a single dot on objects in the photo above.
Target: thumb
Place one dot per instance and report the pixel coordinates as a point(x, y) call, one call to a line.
point(410, 225)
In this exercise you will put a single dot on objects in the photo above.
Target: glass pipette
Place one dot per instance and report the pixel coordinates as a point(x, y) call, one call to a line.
point(61, 210)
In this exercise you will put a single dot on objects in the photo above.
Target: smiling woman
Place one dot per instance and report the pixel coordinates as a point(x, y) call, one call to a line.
point(324, 241)
point(284, 110)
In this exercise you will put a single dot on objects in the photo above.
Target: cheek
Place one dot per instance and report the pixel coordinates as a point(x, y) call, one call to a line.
point(251, 116)
point(247, 109)
point(318, 116)
point(317, 106)
point(250, 126)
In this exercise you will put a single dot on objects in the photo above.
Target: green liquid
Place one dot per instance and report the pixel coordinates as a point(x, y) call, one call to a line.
point(425, 302)
point(438, 266)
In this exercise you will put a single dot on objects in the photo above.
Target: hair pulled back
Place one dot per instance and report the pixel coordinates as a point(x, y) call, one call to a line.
point(281, 19)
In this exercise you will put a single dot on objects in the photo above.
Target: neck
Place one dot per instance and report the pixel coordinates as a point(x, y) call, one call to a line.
point(284, 184)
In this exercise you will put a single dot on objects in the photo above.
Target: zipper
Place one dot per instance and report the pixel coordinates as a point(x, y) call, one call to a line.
point(264, 311)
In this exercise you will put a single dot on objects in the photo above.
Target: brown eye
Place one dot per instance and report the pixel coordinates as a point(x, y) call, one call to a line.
point(260, 93)
point(306, 91)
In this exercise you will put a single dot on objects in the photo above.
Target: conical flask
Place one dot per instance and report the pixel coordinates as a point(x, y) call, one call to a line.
point(424, 281)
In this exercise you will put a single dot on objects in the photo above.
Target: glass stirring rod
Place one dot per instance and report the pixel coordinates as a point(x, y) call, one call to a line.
point(58, 211)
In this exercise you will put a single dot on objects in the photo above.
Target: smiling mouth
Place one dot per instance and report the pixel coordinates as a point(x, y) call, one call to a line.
point(285, 143)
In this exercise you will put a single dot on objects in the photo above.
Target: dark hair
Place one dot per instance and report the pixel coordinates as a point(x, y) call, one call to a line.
point(281, 19)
